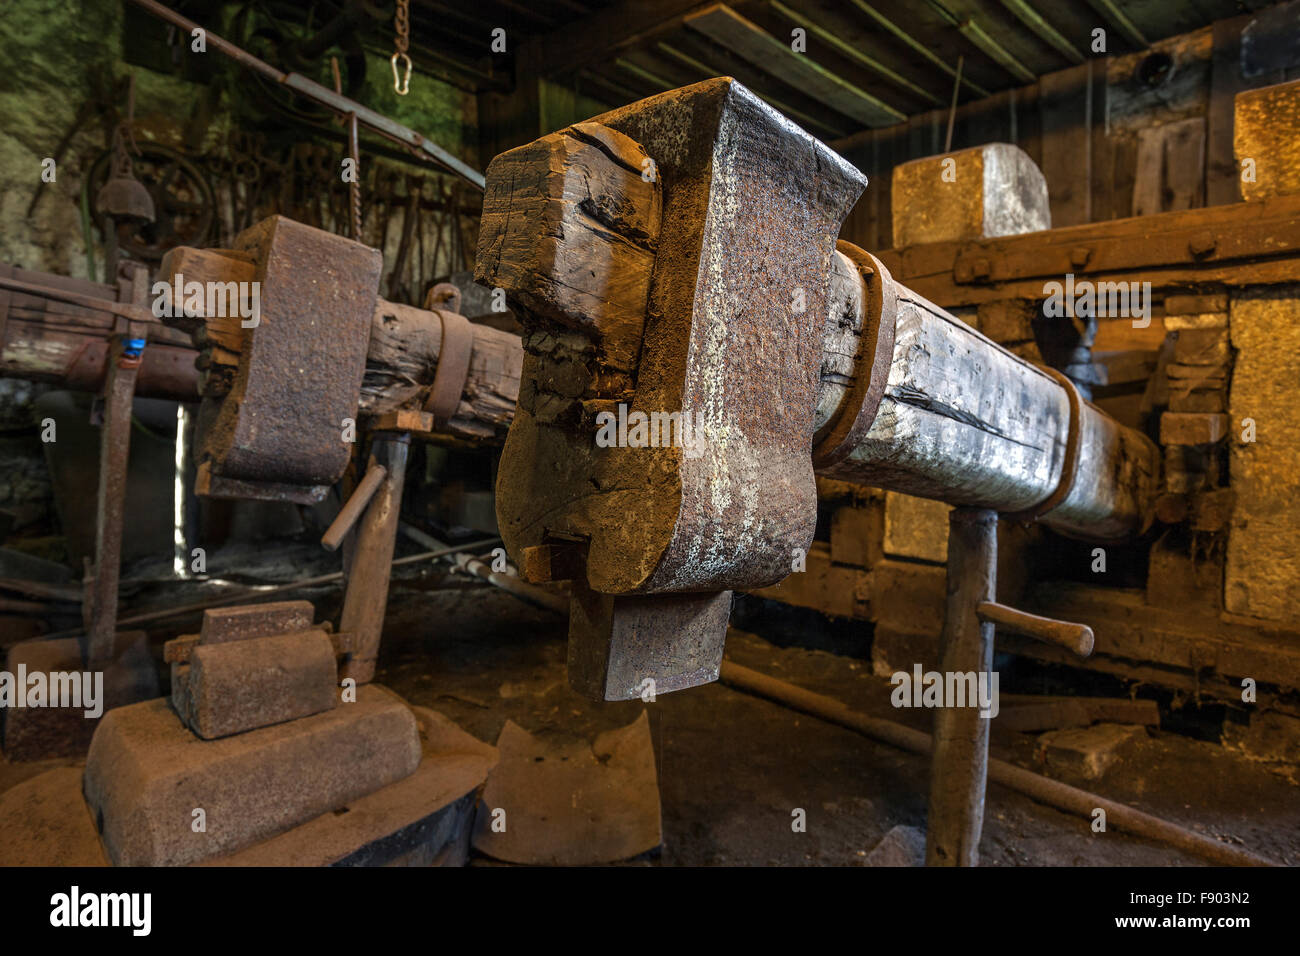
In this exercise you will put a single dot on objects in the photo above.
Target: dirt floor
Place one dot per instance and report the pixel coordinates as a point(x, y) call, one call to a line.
point(733, 767)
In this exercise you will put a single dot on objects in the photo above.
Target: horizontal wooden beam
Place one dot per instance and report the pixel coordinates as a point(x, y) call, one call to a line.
point(751, 42)
point(1237, 244)
point(914, 44)
point(851, 52)
point(1032, 19)
point(602, 35)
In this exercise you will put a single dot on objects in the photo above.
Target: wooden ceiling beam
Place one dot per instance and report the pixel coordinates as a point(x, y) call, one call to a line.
point(706, 71)
point(1032, 19)
point(606, 33)
point(750, 42)
point(1120, 21)
point(850, 52)
point(915, 45)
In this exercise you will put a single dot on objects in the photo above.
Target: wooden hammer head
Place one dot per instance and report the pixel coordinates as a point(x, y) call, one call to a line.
point(670, 262)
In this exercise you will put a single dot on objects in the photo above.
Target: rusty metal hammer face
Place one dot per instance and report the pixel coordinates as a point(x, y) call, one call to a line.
point(670, 261)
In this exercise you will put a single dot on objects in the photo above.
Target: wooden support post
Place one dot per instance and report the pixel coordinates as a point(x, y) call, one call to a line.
point(959, 767)
point(366, 597)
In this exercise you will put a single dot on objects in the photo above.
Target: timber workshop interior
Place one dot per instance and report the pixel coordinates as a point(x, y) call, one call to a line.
point(577, 432)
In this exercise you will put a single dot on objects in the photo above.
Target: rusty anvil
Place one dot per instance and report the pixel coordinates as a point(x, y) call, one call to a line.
point(678, 256)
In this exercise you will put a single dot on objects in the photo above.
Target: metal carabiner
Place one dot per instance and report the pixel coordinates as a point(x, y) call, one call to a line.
point(403, 85)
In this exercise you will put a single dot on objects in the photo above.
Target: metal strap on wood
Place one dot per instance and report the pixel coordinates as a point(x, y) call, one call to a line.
point(453, 368)
point(1071, 464)
point(854, 419)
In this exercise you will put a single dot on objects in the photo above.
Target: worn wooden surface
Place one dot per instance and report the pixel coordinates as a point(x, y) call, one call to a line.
point(1250, 243)
point(403, 357)
point(962, 420)
point(959, 761)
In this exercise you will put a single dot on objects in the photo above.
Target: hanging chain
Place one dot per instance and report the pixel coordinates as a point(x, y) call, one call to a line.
point(402, 20)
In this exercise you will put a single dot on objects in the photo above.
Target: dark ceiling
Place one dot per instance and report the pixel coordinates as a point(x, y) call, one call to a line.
point(868, 63)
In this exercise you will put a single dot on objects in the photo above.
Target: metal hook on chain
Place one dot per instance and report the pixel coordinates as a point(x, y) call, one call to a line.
point(402, 22)
point(402, 85)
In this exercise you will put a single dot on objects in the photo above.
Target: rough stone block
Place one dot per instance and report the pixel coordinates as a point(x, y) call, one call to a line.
point(33, 733)
point(1262, 576)
point(1088, 751)
point(255, 620)
point(1202, 347)
point(423, 820)
point(146, 774)
point(1266, 134)
point(231, 688)
point(916, 527)
point(990, 190)
point(901, 846)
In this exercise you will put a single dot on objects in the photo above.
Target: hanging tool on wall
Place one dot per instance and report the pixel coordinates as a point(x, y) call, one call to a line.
point(123, 201)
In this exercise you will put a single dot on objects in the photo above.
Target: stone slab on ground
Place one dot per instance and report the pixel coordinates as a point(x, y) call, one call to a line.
point(901, 846)
point(146, 773)
point(35, 733)
point(571, 804)
point(44, 821)
point(1087, 752)
point(422, 820)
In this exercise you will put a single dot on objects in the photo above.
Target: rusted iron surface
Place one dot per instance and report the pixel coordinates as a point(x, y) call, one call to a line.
point(370, 561)
point(622, 647)
point(731, 340)
point(114, 449)
point(301, 366)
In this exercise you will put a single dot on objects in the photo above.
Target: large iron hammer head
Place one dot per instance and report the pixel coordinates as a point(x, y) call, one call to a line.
point(281, 432)
point(670, 259)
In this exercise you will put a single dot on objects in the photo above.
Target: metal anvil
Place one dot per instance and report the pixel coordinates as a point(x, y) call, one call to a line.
point(675, 260)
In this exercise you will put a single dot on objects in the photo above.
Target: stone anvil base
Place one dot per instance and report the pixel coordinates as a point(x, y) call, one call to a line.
point(37, 733)
point(422, 819)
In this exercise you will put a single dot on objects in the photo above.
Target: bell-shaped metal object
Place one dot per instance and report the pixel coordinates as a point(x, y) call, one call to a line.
point(125, 198)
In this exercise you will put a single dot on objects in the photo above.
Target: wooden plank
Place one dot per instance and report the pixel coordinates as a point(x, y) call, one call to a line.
point(749, 41)
point(1065, 108)
point(1253, 242)
point(834, 589)
point(842, 40)
point(1221, 171)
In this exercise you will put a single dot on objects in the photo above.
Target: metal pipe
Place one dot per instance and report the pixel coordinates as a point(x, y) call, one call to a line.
point(507, 582)
point(324, 96)
point(1050, 792)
